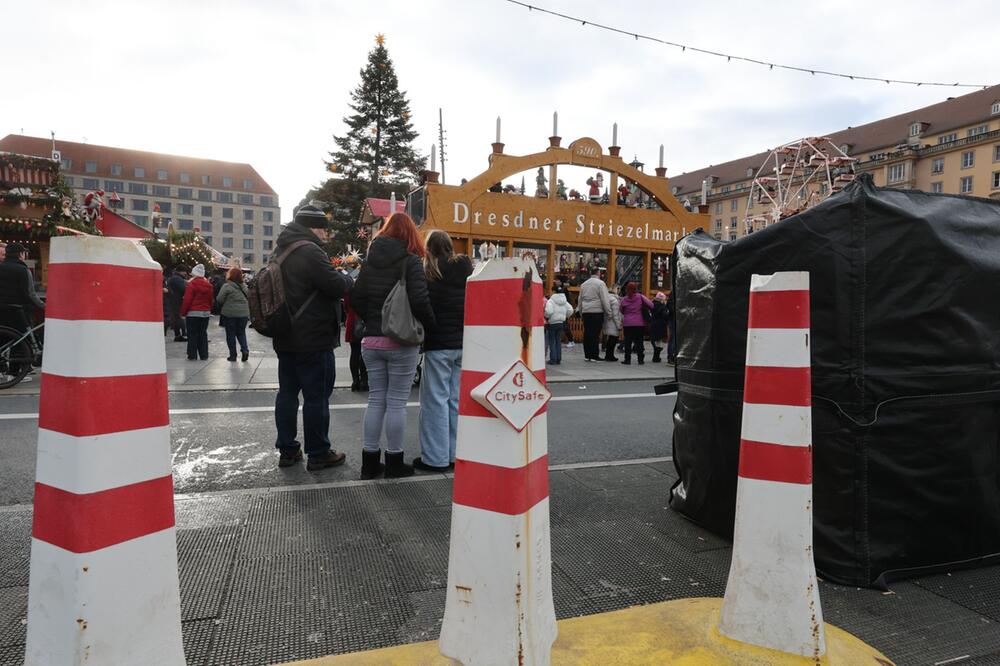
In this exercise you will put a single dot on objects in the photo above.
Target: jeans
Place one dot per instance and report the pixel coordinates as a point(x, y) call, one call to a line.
point(312, 374)
point(593, 324)
point(553, 337)
point(633, 342)
point(359, 374)
point(390, 380)
point(236, 329)
point(197, 332)
point(439, 389)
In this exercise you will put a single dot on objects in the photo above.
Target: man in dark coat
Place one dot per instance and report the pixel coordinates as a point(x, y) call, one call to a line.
point(176, 286)
point(313, 290)
point(17, 288)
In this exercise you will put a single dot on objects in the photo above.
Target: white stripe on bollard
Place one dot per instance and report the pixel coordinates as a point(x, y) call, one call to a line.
point(772, 598)
point(80, 348)
point(487, 439)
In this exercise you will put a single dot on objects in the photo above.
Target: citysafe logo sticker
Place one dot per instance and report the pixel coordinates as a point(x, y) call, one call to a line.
point(514, 395)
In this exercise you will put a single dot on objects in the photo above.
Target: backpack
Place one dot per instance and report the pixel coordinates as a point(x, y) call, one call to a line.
point(398, 321)
point(269, 312)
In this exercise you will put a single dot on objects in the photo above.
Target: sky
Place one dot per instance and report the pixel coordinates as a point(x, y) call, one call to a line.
point(268, 81)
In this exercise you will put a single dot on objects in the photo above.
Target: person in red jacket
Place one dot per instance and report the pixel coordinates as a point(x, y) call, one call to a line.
point(196, 310)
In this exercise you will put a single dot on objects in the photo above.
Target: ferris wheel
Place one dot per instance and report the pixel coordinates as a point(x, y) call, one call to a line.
point(794, 177)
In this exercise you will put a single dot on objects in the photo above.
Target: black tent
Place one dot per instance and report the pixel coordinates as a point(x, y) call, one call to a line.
point(905, 301)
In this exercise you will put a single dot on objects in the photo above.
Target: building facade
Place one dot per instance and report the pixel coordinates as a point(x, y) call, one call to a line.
point(952, 147)
point(234, 209)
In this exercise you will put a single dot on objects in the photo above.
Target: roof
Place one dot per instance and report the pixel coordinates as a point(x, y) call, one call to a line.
point(105, 156)
point(941, 117)
point(116, 226)
point(379, 208)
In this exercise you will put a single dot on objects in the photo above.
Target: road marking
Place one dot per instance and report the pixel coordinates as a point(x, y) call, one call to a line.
point(360, 405)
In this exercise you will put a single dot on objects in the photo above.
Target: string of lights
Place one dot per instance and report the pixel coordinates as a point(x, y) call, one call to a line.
point(730, 57)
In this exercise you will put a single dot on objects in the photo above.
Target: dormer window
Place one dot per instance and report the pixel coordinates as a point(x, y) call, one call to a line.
point(995, 109)
point(845, 148)
point(749, 172)
point(915, 129)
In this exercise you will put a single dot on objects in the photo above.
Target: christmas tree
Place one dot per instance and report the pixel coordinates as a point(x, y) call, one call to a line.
point(376, 156)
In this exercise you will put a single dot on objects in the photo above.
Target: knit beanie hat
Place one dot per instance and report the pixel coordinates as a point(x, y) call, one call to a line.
point(660, 296)
point(198, 270)
point(311, 216)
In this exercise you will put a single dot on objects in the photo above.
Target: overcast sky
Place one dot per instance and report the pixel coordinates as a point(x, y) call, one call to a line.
point(268, 81)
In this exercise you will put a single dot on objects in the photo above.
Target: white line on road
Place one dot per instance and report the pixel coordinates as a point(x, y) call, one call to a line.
point(360, 405)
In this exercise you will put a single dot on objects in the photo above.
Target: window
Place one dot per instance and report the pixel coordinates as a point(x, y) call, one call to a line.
point(206, 211)
point(164, 206)
point(732, 235)
point(823, 189)
point(185, 225)
point(718, 223)
point(269, 214)
point(268, 230)
point(206, 180)
point(995, 109)
point(161, 174)
point(965, 185)
point(185, 193)
point(139, 172)
point(915, 129)
point(227, 181)
point(161, 190)
point(725, 190)
point(996, 153)
point(732, 223)
point(227, 213)
point(976, 131)
point(69, 181)
point(734, 205)
point(266, 201)
point(247, 243)
point(204, 195)
point(996, 180)
point(718, 207)
point(138, 188)
point(227, 227)
point(224, 197)
point(207, 239)
point(937, 165)
point(947, 138)
point(247, 259)
point(968, 159)
point(140, 204)
point(91, 184)
point(246, 199)
point(937, 187)
point(227, 243)
point(116, 169)
point(185, 177)
point(248, 230)
point(248, 184)
point(206, 226)
point(90, 166)
point(67, 164)
point(269, 245)
point(248, 213)
point(141, 220)
point(897, 172)
point(185, 209)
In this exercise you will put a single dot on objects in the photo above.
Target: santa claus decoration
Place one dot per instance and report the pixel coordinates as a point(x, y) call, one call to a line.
point(94, 206)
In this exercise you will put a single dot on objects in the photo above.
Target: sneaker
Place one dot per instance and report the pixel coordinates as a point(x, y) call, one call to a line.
point(570, 345)
point(329, 459)
point(289, 458)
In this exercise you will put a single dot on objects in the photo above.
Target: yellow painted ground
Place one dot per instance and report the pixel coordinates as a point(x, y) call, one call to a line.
point(679, 632)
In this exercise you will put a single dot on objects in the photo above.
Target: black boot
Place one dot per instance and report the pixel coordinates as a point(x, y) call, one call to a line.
point(395, 467)
point(371, 464)
point(656, 354)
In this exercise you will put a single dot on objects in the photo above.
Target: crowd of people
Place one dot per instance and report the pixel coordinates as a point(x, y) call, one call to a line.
point(189, 301)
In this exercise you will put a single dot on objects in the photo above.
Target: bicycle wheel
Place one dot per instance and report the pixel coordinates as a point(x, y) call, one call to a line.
point(15, 357)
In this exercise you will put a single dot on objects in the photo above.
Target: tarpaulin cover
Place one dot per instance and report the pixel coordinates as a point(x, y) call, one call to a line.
point(905, 301)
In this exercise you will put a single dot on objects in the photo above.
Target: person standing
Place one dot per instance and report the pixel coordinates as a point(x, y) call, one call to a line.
point(447, 274)
point(177, 285)
point(658, 324)
point(557, 311)
point(396, 248)
point(234, 308)
point(634, 321)
point(196, 309)
point(313, 291)
point(359, 373)
point(613, 325)
point(17, 287)
point(559, 287)
point(594, 305)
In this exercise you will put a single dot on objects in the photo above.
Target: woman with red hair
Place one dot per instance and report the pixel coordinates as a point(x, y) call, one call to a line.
point(396, 248)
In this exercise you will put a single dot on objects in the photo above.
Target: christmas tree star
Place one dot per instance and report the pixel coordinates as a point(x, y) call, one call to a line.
point(380, 39)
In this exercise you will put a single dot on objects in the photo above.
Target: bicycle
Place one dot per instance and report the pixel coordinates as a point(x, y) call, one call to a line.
point(19, 353)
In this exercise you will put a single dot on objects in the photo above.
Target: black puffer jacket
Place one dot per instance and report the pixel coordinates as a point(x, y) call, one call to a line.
point(448, 303)
point(379, 274)
point(309, 270)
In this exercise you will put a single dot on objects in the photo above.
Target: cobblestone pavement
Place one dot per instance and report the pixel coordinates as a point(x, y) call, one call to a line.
point(274, 575)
